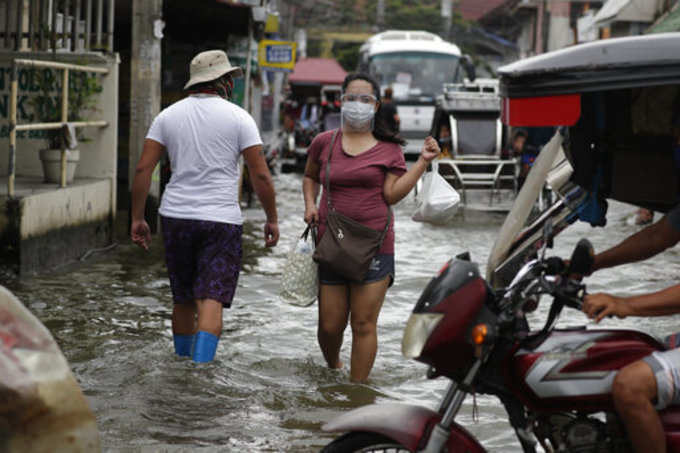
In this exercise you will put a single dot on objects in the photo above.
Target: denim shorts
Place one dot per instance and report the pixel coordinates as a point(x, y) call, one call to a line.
point(203, 259)
point(666, 368)
point(381, 266)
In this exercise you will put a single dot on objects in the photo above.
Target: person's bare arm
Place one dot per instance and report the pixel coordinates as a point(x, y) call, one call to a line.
point(397, 187)
point(642, 245)
point(262, 182)
point(660, 303)
point(151, 154)
point(310, 191)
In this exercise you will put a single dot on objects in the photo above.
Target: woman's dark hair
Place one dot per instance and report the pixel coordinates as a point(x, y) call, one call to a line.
point(380, 129)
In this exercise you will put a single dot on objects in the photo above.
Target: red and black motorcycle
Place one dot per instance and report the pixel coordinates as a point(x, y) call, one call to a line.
point(555, 384)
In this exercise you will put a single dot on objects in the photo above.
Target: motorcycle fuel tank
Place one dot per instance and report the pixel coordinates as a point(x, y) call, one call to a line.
point(575, 368)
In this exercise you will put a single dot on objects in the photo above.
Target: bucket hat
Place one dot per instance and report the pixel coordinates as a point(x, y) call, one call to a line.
point(210, 65)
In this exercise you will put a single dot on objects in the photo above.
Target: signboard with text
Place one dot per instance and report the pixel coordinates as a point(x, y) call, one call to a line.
point(277, 55)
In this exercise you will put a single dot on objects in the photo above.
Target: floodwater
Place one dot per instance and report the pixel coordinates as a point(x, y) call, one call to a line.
point(268, 389)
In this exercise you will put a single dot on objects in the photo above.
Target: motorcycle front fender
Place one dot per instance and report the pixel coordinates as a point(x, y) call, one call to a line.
point(403, 423)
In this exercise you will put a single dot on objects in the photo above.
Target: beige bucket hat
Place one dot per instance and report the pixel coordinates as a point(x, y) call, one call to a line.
point(210, 65)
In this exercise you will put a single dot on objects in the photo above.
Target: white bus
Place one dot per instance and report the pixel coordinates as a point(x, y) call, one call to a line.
point(416, 65)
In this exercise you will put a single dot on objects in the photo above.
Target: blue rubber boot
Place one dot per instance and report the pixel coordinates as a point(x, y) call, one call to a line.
point(205, 347)
point(183, 344)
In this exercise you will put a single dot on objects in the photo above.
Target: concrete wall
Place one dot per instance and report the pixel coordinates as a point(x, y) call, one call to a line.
point(52, 228)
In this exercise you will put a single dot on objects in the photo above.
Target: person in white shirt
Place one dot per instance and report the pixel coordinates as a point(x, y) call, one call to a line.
point(204, 135)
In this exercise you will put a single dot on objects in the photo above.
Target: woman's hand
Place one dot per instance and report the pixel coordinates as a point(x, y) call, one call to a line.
point(312, 215)
point(430, 149)
point(599, 305)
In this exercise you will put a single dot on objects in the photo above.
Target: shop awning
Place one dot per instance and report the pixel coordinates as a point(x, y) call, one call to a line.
point(317, 71)
point(627, 11)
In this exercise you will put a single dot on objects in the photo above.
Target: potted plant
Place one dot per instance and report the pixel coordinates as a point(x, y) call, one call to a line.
point(47, 109)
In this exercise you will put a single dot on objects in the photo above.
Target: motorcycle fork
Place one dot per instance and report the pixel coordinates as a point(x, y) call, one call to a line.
point(449, 409)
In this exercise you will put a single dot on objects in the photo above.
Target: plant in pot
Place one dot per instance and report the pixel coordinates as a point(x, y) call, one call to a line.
point(47, 107)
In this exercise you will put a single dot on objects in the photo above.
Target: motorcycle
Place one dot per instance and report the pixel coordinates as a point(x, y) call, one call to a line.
point(555, 384)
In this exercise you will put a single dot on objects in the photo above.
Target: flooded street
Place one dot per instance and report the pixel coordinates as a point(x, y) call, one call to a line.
point(268, 389)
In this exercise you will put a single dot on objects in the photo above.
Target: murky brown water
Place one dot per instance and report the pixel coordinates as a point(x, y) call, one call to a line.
point(268, 389)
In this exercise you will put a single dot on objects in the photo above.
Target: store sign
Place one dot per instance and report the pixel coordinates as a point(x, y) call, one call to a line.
point(277, 55)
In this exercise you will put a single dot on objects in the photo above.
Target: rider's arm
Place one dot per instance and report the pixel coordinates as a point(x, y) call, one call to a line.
point(660, 303)
point(642, 245)
point(261, 179)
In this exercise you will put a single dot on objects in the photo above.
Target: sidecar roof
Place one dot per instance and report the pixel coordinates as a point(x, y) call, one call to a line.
point(606, 64)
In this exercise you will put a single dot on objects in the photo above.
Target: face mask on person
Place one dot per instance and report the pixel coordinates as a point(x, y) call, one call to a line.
point(357, 115)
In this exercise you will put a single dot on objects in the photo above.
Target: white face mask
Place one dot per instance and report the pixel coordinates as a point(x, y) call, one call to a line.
point(357, 115)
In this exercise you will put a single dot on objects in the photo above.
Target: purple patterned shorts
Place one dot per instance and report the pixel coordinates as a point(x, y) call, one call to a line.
point(203, 259)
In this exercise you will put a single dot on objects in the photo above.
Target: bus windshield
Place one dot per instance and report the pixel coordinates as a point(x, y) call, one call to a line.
point(414, 75)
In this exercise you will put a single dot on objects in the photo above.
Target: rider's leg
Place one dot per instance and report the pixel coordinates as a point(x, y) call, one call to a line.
point(633, 390)
point(365, 303)
point(333, 316)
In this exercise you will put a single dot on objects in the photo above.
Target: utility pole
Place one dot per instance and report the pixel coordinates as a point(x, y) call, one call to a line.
point(380, 15)
point(447, 16)
point(145, 89)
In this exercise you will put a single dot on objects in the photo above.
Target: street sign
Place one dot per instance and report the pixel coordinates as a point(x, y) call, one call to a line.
point(277, 55)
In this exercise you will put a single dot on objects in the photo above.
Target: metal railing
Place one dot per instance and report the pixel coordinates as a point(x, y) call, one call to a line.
point(14, 127)
point(71, 26)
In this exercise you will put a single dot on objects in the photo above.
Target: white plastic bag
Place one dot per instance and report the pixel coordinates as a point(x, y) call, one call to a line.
point(300, 277)
point(437, 201)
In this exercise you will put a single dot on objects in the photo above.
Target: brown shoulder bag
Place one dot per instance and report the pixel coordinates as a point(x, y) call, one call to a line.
point(347, 247)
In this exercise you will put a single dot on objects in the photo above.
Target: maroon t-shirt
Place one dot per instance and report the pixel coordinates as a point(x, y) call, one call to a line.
point(357, 182)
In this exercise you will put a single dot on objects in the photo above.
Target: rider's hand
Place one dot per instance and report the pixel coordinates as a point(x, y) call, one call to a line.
point(311, 215)
point(430, 149)
point(140, 233)
point(599, 305)
point(271, 234)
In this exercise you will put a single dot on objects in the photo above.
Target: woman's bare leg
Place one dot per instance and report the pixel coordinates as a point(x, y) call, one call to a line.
point(365, 303)
point(333, 316)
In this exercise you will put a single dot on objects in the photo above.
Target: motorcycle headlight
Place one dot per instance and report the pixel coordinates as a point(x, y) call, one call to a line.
point(418, 330)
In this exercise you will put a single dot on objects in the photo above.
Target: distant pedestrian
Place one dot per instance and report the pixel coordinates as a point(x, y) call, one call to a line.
point(368, 174)
point(388, 112)
point(204, 135)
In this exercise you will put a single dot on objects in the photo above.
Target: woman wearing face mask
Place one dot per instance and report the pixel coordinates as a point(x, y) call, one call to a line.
point(368, 174)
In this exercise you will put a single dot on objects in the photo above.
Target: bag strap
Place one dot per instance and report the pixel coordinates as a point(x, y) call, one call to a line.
point(327, 180)
point(327, 188)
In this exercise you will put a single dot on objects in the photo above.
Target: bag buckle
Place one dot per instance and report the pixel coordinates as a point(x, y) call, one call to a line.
point(340, 235)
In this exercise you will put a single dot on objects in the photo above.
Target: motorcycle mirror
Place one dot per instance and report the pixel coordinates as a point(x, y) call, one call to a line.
point(582, 258)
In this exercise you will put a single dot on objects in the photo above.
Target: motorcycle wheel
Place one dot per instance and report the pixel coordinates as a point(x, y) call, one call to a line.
point(364, 442)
